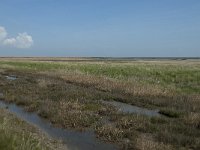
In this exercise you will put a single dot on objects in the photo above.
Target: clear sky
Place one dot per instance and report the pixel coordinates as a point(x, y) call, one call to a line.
point(119, 28)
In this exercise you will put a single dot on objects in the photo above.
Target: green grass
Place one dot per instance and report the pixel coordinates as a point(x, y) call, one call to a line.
point(185, 78)
point(18, 135)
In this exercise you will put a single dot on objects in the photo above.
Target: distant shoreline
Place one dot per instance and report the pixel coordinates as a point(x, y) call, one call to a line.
point(104, 58)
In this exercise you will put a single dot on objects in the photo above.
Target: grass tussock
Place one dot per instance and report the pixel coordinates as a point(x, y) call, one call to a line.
point(193, 119)
point(110, 133)
point(145, 142)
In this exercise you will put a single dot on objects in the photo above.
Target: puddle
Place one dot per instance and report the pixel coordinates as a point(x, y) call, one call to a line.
point(74, 140)
point(106, 120)
point(126, 108)
point(11, 77)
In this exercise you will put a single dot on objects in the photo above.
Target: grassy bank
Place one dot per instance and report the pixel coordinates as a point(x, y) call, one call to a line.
point(69, 95)
point(15, 134)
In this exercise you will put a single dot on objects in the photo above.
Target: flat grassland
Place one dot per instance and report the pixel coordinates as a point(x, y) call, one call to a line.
point(69, 93)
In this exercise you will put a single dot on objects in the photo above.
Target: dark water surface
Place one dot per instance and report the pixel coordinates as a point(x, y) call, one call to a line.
point(74, 140)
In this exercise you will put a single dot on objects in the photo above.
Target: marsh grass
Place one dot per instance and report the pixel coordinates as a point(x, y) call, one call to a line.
point(144, 142)
point(192, 119)
point(17, 135)
point(184, 76)
point(69, 95)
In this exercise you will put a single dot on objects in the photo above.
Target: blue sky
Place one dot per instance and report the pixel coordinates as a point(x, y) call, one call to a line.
point(111, 28)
